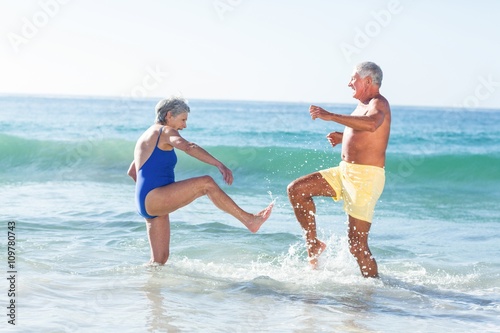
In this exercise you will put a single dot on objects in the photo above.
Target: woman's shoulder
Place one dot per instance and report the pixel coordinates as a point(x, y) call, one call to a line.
point(169, 137)
point(152, 132)
point(169, 131)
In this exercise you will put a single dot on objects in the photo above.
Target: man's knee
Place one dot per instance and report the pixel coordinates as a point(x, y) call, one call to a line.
point(289, 189)
point(292, 190)
point(358, 248)
point(354, 248)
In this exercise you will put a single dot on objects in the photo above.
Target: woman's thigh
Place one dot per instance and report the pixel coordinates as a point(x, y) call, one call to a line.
point(166, 199)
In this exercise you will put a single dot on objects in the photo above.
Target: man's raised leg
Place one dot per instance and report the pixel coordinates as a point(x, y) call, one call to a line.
point(301, 193)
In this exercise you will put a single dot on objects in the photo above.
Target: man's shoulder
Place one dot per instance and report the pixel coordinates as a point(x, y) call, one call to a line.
point(380, 103)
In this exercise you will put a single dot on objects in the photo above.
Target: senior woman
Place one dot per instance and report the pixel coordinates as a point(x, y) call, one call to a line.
point(157, 192)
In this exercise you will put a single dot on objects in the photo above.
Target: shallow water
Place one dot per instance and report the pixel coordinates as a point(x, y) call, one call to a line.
point(81, 248)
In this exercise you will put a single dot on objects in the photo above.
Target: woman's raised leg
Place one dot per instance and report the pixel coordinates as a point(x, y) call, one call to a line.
point(166, 199)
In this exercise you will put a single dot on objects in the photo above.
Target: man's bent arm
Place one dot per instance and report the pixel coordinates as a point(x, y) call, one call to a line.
point(369, 122)
point(359, 123)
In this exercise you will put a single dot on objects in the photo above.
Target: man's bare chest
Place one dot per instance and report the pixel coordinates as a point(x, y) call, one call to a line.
point(361, 110)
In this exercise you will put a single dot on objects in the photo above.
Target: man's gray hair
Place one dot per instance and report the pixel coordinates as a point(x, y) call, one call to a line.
point(175, 105)
point(370, 68)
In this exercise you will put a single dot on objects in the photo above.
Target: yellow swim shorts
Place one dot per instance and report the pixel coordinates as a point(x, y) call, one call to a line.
point(358, 185)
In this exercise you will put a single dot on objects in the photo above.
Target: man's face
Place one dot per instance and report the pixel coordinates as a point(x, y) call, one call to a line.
point(357, 84)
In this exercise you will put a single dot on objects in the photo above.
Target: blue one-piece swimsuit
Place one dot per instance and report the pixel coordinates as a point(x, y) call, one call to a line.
point(157, 171)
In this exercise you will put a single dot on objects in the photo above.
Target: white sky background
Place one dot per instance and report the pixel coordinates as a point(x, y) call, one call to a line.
point(433, 53)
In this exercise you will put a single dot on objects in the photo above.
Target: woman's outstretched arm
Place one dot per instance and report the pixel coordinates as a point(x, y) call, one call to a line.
point(192, 149)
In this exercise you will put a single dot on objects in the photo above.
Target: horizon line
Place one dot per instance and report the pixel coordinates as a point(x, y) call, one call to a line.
point(145, 98)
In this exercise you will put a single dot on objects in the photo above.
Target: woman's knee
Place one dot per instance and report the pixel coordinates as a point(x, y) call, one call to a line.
point(207, 184)
point(207, 179)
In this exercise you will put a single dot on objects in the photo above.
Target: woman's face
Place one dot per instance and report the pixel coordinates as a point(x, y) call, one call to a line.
point(178, 122)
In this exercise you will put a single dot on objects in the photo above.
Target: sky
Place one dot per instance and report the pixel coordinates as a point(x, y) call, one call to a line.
point(433, 53)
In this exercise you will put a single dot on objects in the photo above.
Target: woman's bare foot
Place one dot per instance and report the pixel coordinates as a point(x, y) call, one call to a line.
point(257, 220)
point(314, 250)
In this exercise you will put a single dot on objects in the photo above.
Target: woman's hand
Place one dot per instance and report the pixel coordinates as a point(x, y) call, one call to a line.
point(227, 174)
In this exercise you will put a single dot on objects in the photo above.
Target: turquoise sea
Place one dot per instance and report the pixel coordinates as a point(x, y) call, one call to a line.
point(81, 248)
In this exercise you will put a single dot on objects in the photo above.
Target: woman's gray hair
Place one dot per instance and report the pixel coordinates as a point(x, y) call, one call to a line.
point(175, 105)
point(370, 68)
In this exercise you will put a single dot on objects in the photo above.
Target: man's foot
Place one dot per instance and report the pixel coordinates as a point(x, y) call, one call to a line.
point(258, 219)
point(314, 250)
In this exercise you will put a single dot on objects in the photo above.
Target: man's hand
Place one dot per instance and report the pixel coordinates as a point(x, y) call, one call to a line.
point(335, 138)
point(318, 112)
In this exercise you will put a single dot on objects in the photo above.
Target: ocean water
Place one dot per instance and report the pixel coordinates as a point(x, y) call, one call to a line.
point(81, 248)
